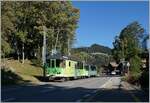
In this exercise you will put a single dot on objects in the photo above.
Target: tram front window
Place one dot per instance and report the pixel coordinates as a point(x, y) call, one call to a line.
point(48, 62)
point(93, 68)
point(60, 63)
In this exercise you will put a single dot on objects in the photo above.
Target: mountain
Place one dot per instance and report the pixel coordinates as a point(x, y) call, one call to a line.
point(95, 48)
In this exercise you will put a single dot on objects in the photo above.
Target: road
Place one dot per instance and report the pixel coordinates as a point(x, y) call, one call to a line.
point(91, 89)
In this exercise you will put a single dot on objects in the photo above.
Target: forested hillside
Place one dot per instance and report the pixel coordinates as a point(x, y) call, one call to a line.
point(95, 54)
point(95, 48)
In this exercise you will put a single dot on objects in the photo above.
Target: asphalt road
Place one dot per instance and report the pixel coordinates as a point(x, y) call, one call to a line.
point(68, 91)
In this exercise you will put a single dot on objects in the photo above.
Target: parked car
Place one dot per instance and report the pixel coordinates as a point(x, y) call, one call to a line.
point(113, 73)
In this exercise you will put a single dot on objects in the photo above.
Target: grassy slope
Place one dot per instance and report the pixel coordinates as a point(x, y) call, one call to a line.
point(27, 71)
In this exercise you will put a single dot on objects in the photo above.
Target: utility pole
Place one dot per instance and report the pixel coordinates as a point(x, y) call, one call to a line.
point(44, 45)
point(68, 47)
point(23, 53)
point(57, 39)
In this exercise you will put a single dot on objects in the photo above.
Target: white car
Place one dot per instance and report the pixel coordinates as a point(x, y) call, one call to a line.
point(113, 73)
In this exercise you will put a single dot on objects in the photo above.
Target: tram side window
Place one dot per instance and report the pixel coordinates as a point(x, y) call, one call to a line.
point(57, 63)
point(60, 63)
point(92, 68)
point(48, 62)
point(80, 65)
point(53, 63)
point(76, 66)
point(69, 64)
point(87, 67)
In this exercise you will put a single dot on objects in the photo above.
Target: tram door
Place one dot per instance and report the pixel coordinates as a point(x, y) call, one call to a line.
point(76, 71)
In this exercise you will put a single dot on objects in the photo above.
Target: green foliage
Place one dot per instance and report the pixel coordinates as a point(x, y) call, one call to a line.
point(99, 48)
point(133, 78)
point(98, 59)
point(144, 79)
point(21, 36)
point(37, 62)
point(127, 44)
point(6, 49)
point(84, 56)
point(135, 64)
point(8, 27)
point(23, 24)
point(95, 48)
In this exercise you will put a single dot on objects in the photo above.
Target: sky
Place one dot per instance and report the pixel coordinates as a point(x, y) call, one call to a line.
point(101, 21)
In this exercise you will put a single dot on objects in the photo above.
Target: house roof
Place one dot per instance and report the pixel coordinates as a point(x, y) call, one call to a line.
point(113, 64)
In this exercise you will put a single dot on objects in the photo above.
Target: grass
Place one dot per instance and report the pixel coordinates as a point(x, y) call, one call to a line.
point(8, 77)
point(26, 71)
point(27, 68)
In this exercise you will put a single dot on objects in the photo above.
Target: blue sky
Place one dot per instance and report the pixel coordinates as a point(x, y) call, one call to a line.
point(101, 21)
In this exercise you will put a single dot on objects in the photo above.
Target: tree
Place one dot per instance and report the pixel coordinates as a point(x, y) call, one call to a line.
point(21, 35)
point(23, 27)
point(127, 45)
point(8, 28)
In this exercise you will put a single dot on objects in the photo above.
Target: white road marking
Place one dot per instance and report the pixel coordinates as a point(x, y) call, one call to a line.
point(105, 83)
point(9, 99)
point(87, 95)
point(98, 89)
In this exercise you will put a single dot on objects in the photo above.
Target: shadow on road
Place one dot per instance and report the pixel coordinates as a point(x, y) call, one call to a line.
point(42, 79)
point(119, 95)
point(110, 76)
point(9, 77)
point(53, 93)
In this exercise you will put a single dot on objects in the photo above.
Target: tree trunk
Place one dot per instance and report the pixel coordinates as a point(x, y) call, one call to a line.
point(23, 53)
point(18, 55)
point(4, 59)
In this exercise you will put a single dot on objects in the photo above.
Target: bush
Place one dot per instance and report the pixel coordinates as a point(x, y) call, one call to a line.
point(37, 62)
point(133, 78)
point(144, 79)
point(135, 71)
point(135, 65)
